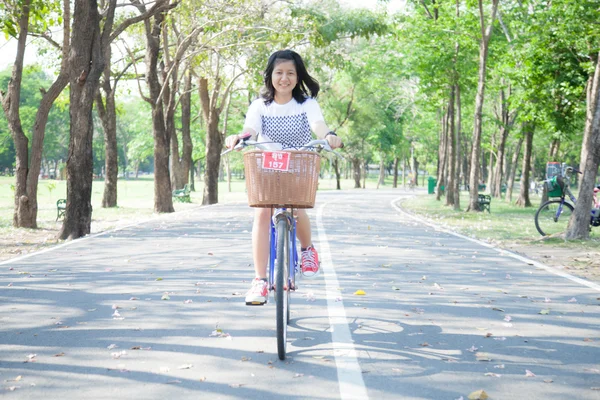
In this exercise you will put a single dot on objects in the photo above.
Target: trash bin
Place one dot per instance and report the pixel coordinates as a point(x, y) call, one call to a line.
point(431, 182)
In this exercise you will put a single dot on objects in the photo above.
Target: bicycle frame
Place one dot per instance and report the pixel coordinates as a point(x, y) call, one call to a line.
point(288, 214)
point(567, 192)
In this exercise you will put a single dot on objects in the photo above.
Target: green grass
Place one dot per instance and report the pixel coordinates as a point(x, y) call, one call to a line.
point(506, 223)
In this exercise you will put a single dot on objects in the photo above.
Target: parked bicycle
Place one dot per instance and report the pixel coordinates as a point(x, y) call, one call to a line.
point(553, 215)
point(283, 181)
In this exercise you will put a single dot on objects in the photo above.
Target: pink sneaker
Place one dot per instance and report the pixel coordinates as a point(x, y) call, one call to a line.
point(309, 265)
point(258, 293)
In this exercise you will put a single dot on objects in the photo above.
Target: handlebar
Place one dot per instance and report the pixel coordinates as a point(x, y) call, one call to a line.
point(319, 144)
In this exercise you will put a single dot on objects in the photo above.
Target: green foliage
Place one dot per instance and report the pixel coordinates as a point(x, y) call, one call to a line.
point(43, 14)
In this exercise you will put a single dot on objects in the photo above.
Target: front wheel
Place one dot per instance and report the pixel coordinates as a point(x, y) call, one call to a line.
point(548, 221)
point(281, 285)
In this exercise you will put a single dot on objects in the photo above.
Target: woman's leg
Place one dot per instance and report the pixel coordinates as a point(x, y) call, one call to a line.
point(260, 240)
point(303, 228)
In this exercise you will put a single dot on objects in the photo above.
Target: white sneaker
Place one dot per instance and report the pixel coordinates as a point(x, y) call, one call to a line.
point(258, 293)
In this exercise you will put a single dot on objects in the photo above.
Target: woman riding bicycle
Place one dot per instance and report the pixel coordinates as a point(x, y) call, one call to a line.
point(283, 117)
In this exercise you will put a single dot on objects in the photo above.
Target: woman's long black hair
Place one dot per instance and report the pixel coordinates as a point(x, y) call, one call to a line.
point(307, 86)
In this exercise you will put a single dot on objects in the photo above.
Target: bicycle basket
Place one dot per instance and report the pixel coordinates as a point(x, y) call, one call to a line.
point(294, 188)
point(555, 186)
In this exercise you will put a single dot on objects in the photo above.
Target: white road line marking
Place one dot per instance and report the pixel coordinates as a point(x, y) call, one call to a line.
point(537, 264)
point(349, 373)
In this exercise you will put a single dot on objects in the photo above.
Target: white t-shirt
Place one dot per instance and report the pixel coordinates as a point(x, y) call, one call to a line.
point(284, 125)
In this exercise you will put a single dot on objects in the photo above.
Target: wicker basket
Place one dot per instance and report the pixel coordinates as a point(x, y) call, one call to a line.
point(294, 188)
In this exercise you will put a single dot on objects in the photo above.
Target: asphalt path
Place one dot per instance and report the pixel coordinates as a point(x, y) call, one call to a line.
point(156, 311)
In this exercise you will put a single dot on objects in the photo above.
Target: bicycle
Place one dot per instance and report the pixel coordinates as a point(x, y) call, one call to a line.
point(283, 181)
point(553, 216)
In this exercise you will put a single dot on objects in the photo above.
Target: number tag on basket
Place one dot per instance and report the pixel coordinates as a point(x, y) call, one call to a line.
point(276, 160)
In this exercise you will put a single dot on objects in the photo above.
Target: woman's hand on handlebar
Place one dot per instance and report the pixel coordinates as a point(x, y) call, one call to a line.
point(334, 141)
point(231, 141)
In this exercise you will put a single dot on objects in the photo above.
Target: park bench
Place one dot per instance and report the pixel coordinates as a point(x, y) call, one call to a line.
point(484, 202)
point(182, 195)
point(61, 206)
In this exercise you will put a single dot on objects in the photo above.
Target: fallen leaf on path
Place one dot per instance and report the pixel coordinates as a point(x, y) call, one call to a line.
point(360, 292)
point(548, 381)
point(529, 374)
point(482, 356)
point(499, 366)
point(246, 358)
point(164, 370)
point(472, 349)
point(493, 374)
point(203, 379)
point(158, 279)
point(507, 318)
point(165, 297)
point(572, 300)
point(12, 388)
point(118, 354)
point(185, 366)
point(134, 298)
point(395, 288)
point(478, 395)
point(173, 382)
point(498, 309)
point(59, 355)
point(112, 346)
point(298, 375)
point(547, 300)
point(188, 301)
point(236, 385)
point(544, 312)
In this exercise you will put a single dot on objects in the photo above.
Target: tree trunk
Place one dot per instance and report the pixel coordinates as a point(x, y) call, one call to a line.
point(338, 175)
point(108, 115)
point(163, 202)
point(356, 169)
point(86, 63)
point(457, 146)
point(415, 169)
point(523, 199)
point(186, 132)
point(486, 33)
point(490, 176)
point(513, 171)
point(214, 144)
point(396, 161)
point(381, 180)
point(442, 157)
point(507, 120)
point(578, 227)
point(452, 178)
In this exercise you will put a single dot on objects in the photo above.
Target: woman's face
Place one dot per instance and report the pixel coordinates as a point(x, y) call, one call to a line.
point(284, 78)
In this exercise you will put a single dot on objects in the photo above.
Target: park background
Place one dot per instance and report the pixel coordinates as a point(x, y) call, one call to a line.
point(462, 92)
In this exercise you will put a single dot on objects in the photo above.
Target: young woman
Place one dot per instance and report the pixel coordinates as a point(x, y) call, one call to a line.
point(284, 117)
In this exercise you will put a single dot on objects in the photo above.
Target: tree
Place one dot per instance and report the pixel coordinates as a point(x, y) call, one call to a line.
point(486, 33)
point(578, 227)
point(86, 64)
point(28, 13)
